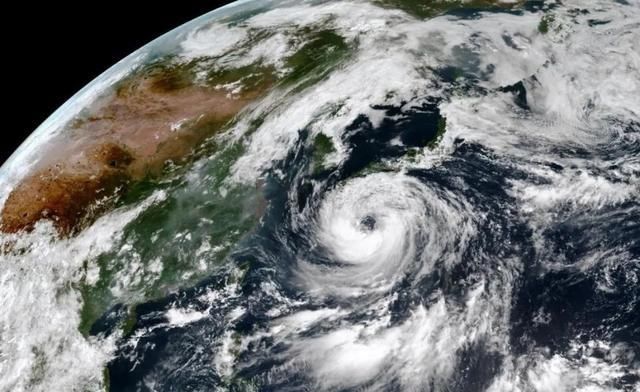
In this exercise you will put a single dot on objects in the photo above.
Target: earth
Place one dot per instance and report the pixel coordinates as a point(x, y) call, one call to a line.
point(383, 195)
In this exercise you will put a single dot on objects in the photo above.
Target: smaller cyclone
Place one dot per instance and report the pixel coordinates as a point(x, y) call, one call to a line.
point(371, 231)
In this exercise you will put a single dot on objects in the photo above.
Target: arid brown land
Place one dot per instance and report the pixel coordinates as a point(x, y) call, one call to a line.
point(151, 117)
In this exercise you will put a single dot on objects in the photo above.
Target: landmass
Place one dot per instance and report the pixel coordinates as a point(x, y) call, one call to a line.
point(158, 114)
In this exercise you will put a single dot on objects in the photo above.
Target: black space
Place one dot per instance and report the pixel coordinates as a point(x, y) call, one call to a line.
point(52, 50)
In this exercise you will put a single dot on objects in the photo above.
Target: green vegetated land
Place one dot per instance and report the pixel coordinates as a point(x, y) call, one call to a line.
point(180, 240)
point(429, 9)
point(322, 146)
point(322, 50)
point(173, 243)
point(545, 22)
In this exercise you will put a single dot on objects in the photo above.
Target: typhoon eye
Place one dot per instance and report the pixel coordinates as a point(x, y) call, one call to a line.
point(336, 195)
point(368, 223)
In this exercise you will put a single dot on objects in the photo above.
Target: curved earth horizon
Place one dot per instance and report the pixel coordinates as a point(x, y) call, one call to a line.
point(337, 195)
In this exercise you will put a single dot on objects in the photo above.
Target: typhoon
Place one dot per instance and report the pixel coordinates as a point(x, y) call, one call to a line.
point(383, 195)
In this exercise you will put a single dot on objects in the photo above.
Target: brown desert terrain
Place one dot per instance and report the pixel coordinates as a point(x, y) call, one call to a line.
point(150, 118)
